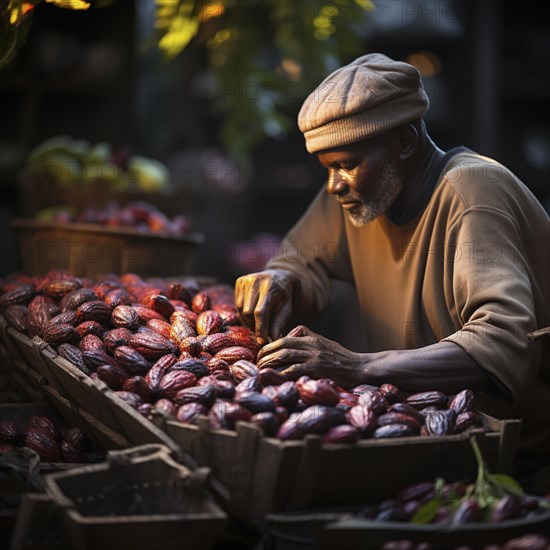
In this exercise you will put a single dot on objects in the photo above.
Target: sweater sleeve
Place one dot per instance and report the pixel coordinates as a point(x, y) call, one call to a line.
point(490, 285)
point(316, 251)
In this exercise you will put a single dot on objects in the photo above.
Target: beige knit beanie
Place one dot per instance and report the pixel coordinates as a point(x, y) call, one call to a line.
point(369, 96)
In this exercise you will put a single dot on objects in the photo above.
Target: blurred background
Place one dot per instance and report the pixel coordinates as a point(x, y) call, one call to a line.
point(212, 90)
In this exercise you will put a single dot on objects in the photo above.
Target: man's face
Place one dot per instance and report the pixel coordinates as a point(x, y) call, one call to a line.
point(362, 178)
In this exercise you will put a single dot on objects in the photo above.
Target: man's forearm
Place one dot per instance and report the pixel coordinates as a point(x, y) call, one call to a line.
point(443, 366)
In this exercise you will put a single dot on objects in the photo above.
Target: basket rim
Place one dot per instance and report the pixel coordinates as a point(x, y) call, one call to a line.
point(95, 229)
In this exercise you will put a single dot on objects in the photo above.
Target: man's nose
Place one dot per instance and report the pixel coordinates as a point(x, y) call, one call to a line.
point(336, 185)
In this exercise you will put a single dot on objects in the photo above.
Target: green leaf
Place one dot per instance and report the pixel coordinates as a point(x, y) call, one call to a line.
point(426, 512)
point(506, 483)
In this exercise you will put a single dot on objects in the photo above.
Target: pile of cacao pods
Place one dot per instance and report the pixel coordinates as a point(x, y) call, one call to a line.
point(531, 541)
point(140, 215)
point(454, 504)
point(52, 444)
point(179, 348)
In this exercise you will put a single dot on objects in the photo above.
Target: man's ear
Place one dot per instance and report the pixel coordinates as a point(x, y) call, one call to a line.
point(407, 139)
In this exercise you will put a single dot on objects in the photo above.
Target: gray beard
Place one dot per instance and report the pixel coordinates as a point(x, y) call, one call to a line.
point(379, 202)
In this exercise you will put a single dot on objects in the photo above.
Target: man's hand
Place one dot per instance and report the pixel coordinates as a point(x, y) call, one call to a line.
point(303, 352)
point(264, 301)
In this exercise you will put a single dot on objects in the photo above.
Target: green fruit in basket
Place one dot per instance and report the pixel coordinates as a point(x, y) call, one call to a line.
point(108, 174)
point(148, 174)
point(58, 144)
point(59, 167)
point(100, 153)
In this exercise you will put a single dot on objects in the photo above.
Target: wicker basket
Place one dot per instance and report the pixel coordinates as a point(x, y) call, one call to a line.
point(92, 250)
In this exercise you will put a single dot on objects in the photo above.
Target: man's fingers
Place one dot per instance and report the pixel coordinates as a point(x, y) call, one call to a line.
point(282, 358)
point(280, 319)
point(294, 371)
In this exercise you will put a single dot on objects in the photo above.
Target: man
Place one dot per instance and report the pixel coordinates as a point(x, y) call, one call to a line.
point(448, 252)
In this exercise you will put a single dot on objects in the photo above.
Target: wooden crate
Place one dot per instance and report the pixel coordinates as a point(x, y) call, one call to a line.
point(260, 475)
point(139, 498)
point(77, 396)
point(92, 250)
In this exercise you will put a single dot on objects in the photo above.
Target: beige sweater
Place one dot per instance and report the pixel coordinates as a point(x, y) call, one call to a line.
point(472, 268)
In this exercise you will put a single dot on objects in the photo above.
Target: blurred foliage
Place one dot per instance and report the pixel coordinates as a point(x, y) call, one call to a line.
point(264, 56)
point(16, 17)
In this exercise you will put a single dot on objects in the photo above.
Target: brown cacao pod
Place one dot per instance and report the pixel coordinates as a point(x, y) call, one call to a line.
point(57, 288)
point(172, 382)
point(249, 384)
point(213, 343)
point(399, 418)
point(225, 389)
point(96, 357)
point(188, 413)
point(349, 399)
point(373, 400)
point(215, 363)
point(73, 300)
point(343, 433)
point(235, 353)
point(255, 402)
point(166, 406)
point(391, 393)
point(290, 428)
point(16, 317)
point(146, 313)
point(40, 311)
point(205, 395)
point(89, 327)
point(118, 297)
point(158, 370)
point(73, 354)
point(161, 304)
point(43, 423)
point(133, 399)
point(229, 413)
point(417, 491)
point(209, 322)
point(318, 392)
point(124, 316)
point(187, 314)
point(94, 311)
point(67, 317)
point(56, 334)
point(152, 346)
point(21, 294)
point(163, 328)
point(440, 422)
point(465, 420)
point(76, 437)
point(103, 288)
point(427, 399)
point(194, 366)
point(318, 419)
point(131, 360)
point(115, 338)
point(267, 421)
point(363, 418)
point(241, 368)
point(137, 384)
point(288, 394)
point(90, 342)
point(393, 430)
point(271, 377)
point(462, 402)
point(177, 291)
point(200, 302)
point(181, 329)
point(44, 444)
point(406, 409)
point(112, 375)
point(191, 345)
point(269, 391)
point(362, 388)
point(8, 431)
point(228, 314)
point(69, 454)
